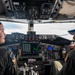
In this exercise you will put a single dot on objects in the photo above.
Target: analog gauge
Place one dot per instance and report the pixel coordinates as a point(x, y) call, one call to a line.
point(40, 37)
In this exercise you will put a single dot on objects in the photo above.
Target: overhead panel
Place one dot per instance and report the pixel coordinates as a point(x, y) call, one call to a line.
point(32, 9)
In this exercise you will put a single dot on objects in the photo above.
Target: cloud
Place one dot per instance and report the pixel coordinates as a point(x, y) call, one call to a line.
point(48, 28)
point(60, 29)
point(11, 27)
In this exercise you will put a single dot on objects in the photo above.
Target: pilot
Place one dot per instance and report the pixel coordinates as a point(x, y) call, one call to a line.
point(69, 65)
point(68, 68)
point(6, 67)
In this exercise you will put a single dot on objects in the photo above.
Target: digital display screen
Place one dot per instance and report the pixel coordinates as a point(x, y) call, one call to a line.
point(50, 48)
point(30, 48)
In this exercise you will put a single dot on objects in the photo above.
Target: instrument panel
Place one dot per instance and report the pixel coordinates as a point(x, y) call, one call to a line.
point(30, 48)
point(31, 45)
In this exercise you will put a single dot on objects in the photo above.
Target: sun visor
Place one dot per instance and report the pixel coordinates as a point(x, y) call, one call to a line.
point(68, 8)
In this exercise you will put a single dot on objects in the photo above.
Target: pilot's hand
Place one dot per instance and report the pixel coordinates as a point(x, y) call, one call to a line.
point(14, 60)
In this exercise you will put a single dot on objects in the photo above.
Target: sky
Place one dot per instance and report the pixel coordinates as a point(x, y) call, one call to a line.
point(60, 29)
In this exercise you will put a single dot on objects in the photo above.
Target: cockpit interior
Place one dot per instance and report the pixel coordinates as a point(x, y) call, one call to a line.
point(35, 52)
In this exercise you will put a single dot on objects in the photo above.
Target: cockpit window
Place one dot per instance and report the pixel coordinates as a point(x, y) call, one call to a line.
point(60, 29)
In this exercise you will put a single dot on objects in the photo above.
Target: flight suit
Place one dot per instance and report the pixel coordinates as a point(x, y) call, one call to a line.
point(6, 64)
